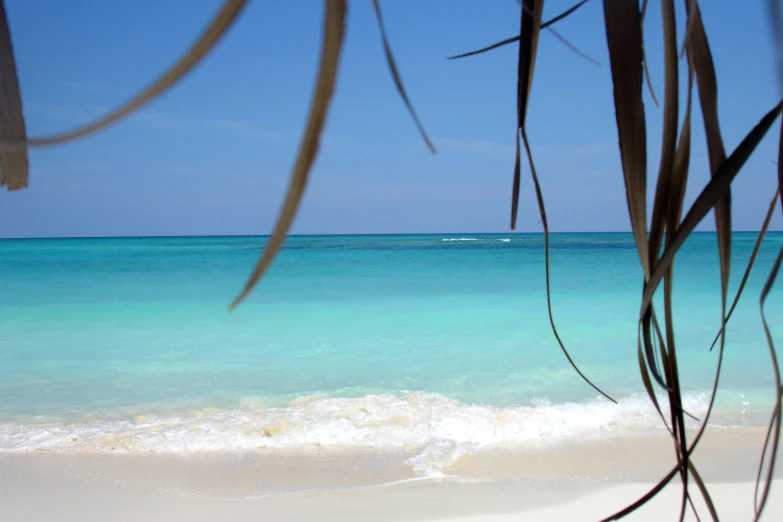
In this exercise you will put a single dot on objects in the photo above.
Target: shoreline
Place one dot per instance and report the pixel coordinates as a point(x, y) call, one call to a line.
point(555, 481)
point(32, 495)
point(723, 455)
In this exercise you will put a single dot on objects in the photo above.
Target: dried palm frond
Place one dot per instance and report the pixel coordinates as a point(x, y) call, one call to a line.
point(657, 242)
point(392, 63)
point(658, 246)
point(217, 28)
point(528, 47)
point(14, 169)
point(334, 29)
point(544, 25)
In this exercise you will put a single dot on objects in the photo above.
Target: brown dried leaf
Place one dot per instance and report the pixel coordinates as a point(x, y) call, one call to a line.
point(658, 224)
point(708, 197)
point(773, 432)
point(564, 14)
point(663, 198)
point(644, 499)
point(624, 39)
point(487, 48)
point(704, 493)
point(14, 166)
point(574, 48)
point(528, 47)
point(515, 185)
point(681, 162)
point(513, 39)
point(669, 138)
point(542, 210)
point(708, 96)
point(529, 31)
point(749, 267)
point(780, 162)
point(772, 440)
point(334, 30)
point(217, 28)
point(396, 75)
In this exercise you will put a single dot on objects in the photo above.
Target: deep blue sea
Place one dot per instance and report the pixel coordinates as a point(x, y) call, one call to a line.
point(439, 342)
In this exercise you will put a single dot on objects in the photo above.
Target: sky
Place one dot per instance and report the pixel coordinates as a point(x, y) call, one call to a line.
point(213, 155)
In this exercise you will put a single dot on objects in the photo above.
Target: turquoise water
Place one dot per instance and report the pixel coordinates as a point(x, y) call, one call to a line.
point(127, 344)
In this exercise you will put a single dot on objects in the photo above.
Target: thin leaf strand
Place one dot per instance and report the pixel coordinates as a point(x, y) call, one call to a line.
point(334, 30)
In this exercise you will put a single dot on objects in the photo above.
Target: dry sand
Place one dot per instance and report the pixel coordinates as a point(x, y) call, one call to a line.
point(565, 482)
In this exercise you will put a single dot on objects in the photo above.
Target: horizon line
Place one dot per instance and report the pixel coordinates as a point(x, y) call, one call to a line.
point(262, 236)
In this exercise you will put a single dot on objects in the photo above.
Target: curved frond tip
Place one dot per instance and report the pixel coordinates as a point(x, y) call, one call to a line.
point(397, 79)
point(331, 47)
point(217, 28)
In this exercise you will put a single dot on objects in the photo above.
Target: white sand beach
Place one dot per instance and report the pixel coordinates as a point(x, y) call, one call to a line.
point(574, 482)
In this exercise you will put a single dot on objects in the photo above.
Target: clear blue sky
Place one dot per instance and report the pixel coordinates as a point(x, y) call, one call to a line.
point(213, 155)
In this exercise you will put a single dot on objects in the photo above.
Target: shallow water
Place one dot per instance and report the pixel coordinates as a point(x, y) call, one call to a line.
point(439, 342)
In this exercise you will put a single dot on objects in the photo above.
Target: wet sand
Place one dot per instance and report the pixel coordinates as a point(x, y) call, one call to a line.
point(583, 481)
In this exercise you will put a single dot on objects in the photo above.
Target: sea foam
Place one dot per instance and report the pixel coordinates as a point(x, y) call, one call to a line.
point(436, 429)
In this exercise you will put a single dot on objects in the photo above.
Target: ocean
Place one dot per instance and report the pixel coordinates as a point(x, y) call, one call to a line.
point(438, 345)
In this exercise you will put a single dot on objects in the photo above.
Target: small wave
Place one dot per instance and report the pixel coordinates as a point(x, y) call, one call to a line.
point(437, 429)
point(505, 240)
point(459, 239)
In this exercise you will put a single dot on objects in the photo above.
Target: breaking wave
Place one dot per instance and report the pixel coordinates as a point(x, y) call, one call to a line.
point(435, 428)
